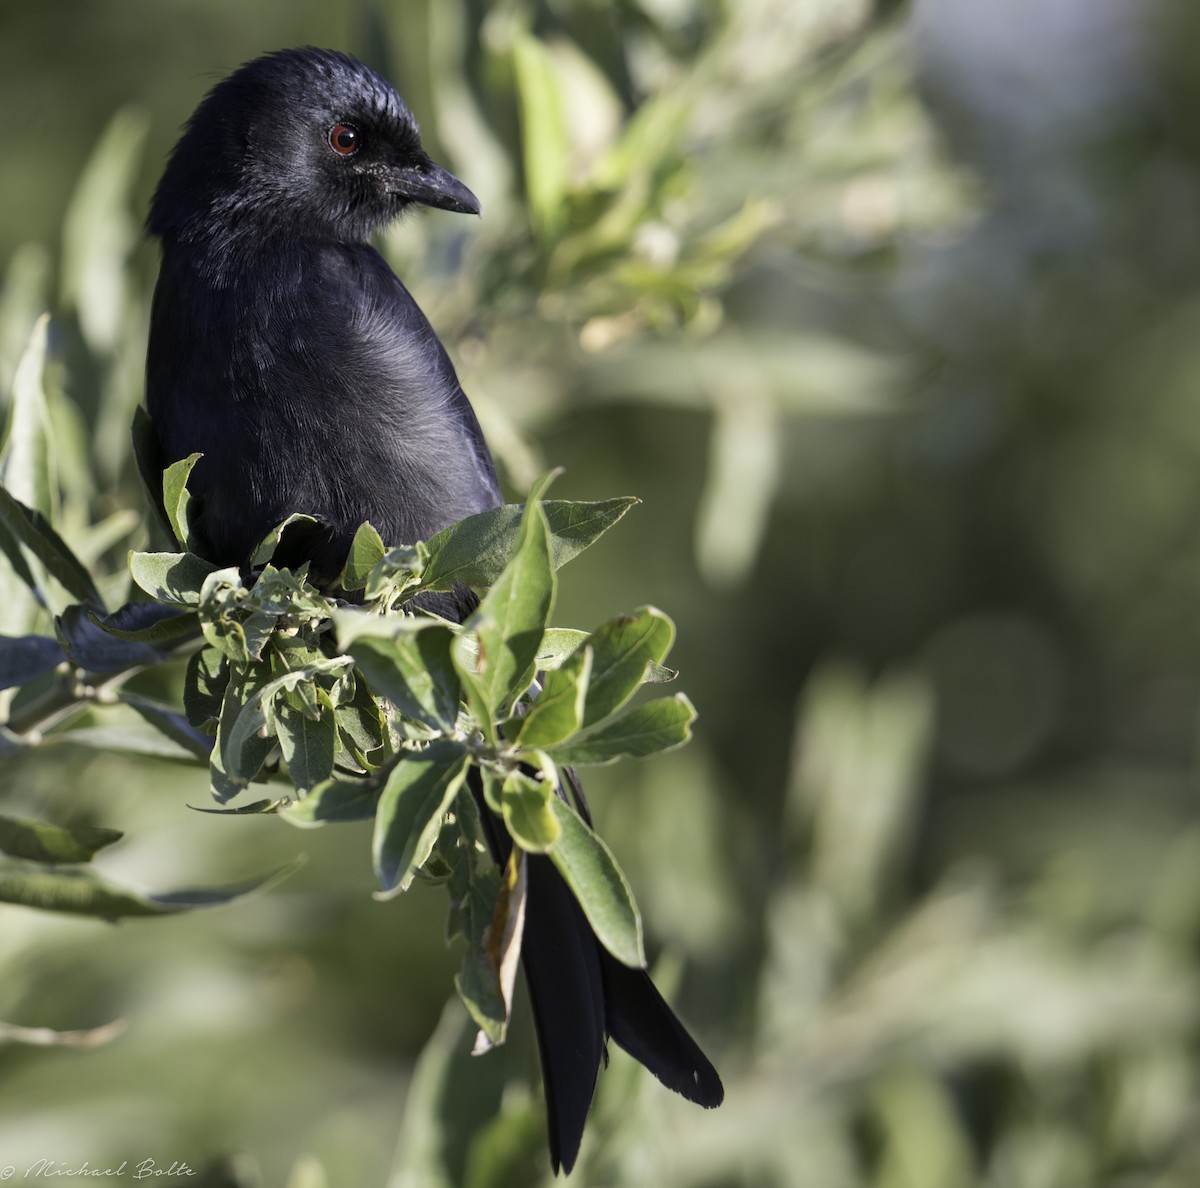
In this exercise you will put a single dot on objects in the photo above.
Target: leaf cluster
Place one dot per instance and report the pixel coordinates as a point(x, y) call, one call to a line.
point(376, 709)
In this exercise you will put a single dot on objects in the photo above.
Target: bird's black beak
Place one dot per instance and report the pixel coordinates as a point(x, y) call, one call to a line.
point(431, 185)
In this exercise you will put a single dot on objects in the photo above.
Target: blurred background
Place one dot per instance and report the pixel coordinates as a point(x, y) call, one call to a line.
point(890, 313)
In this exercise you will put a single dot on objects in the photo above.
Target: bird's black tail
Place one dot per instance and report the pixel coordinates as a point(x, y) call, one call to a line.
point(580, 994)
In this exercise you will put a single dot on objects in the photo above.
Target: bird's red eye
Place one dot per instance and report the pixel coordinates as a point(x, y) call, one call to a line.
point(343, 139)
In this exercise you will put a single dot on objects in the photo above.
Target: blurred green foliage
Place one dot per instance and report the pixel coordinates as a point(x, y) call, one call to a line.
point(891, 320)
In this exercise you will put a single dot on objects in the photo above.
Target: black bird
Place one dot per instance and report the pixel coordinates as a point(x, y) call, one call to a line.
point(286, 351)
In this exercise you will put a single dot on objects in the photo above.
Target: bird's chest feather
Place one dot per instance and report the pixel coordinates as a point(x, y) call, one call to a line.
point(317, 388)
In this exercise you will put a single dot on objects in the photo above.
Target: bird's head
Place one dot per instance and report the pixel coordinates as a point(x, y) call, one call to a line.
point(299, 142)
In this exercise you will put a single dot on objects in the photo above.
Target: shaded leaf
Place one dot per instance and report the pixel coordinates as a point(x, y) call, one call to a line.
point(148, 622)
point(338, 799)
point(172, 724)
point(489, 969)
point(33, 530)
point(28, 468)
point(82, 891)
point(25, 657)
point(94, 649)
point(415, 672)
point(129, 740)
point(602, 890)
point(418, 792)
point(151, 463)
point(307, 744)
point(38, 841)
point(204, 685)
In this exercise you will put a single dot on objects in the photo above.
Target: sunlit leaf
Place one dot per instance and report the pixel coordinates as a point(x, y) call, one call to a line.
point(634, 733)
point(415, 672)
point(623, 650)
point(175, 496)
point(336, 799)
point(597, 882)
point(175, 578)
point(525, 804)
point(513, 614)
point(366, 551)
point(557, 711)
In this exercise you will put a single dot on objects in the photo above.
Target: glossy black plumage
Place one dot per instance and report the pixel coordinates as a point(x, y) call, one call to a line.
point(284, 349)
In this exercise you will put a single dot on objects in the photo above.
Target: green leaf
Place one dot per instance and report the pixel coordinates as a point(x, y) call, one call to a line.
point(336, 799)
point(487, 978)
point(418, 793)
point(256, 808)
point(525, 803)
point(307, 744)
point(127, 740)
point(82, 891)
point(204, 685)
point(39, 842)
point(513, 614)
point(93, 649)
point(175, 578)
point(28, 465)
point(464, 653)
point(415, 672)
point(148, 622)
point(33, 530)
point(23, 658)
point(476, 550)
point(632, 733)
point(366, 551)
point(557, 712)
point(147, 452)
point(174, 725)
point(269, 543)
point(623, 650)
point(544, 141)
point(602, 890)
point(176, 496)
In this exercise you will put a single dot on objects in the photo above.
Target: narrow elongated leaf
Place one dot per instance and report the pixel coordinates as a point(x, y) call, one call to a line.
point(94, 649)
point(544, 141)
point(172, 724)
point(148, 622)
point(415, 672)
point(38, 841)
point(33, 530)
point(127, 740)
point(25, 657)
point(417, 794)
point(602, 890)
point(512, 616)
point(366, 551)
point(488, 975)
point(176, 496)
point(557, 712)
point(28, 469)
point(632, 733)
point(147, 452)
point(623, 650)
point(336, 799)
point(176, 578)
point(83, 891)
point(476, 550)
point(525, 803)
